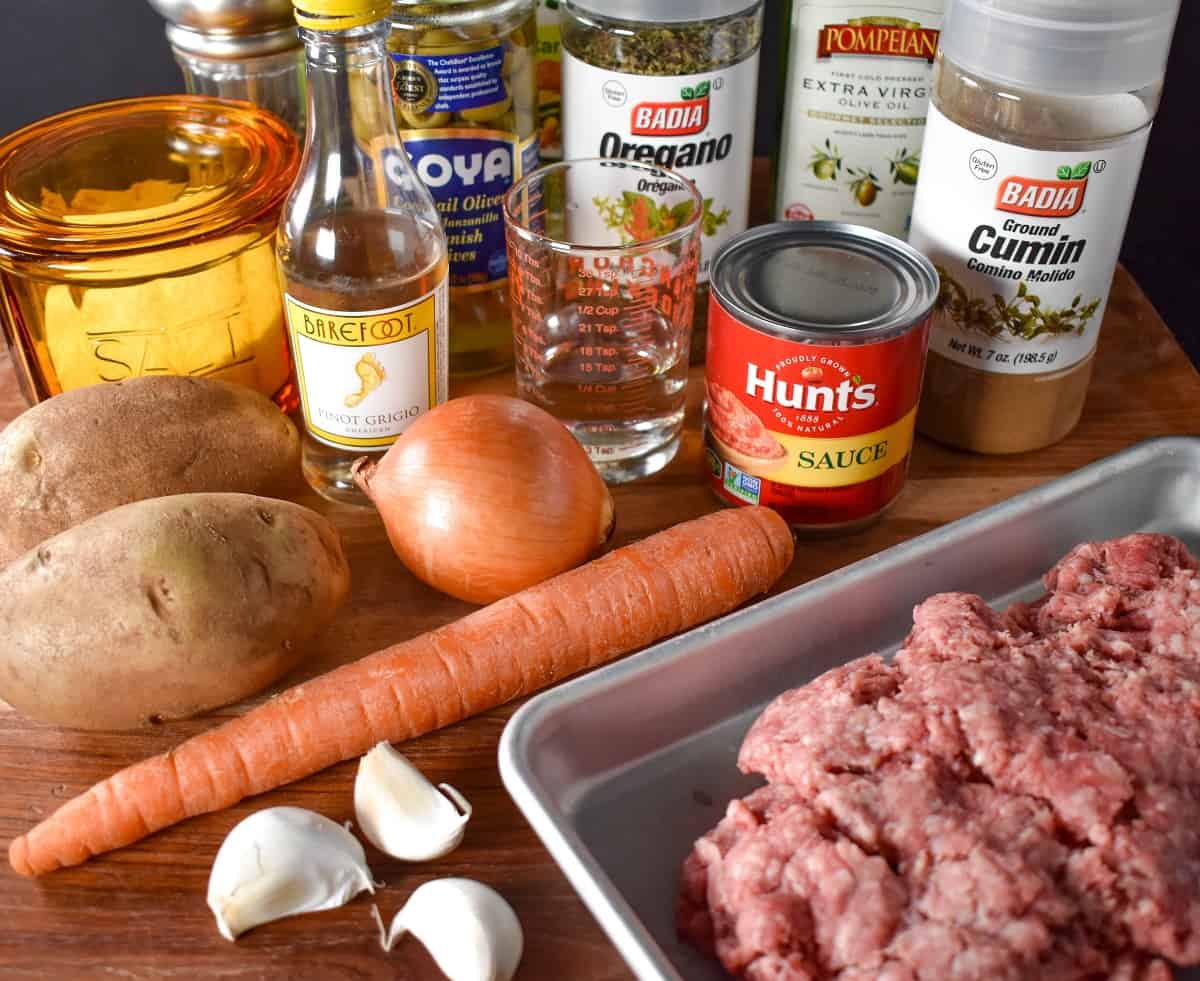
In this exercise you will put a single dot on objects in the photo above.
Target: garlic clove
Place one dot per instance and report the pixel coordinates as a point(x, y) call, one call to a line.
point(401, 813)
point(281, 861)
point(469, 929)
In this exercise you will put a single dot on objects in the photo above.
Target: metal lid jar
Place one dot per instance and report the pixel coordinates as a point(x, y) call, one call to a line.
point(816, 349)
point(672, 83)
point(239, 49)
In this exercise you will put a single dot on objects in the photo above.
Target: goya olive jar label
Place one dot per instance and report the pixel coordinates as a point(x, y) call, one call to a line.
point(468, 172)
point(816, 349)
point(365, 376)
point(1025, 241)
point(459, 126)
point(699, 125)
point(854, 110)
point(451, 82)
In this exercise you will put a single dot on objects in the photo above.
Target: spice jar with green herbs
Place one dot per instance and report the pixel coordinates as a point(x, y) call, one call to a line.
point(466, 101)
point(667, 82)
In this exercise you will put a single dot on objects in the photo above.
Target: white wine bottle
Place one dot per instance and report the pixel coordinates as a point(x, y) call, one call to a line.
point(361, 253)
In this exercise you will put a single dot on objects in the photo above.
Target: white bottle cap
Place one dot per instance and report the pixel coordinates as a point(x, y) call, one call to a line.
point(1066, 47)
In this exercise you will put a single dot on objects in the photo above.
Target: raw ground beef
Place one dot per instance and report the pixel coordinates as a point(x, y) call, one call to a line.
point(1014, 796)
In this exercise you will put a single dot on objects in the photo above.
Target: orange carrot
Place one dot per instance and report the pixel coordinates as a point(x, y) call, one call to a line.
point(625, 600)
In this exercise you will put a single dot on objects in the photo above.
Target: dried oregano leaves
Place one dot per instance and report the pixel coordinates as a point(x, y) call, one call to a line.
point(1023, 316)
point(664, 49)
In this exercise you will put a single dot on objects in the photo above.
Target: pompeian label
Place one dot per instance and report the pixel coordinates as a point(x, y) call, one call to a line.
point(1025, 242)
point(364, 376)
point(468, 172)
point(699, 125)
point(881, 36)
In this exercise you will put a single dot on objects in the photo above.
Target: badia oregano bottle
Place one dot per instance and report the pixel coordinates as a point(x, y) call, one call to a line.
point(671, 83)
point(1039, 118)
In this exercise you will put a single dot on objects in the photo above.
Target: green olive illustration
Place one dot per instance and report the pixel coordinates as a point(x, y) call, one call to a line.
point(826, 162)
point(905, 167)
point(824, 170)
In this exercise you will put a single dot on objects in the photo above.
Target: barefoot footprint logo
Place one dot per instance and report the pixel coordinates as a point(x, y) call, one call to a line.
point(370, 376)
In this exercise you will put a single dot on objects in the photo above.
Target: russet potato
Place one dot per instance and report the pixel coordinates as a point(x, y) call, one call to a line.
point(164, 608)
point(91, 449)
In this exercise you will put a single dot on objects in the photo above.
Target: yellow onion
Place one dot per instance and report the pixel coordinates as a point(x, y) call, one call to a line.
point(486, 495)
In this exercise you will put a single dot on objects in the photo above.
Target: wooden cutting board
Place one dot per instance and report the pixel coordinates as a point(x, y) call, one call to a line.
point(140, 912)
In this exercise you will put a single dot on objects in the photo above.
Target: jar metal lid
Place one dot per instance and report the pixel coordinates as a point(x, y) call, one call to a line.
point(135, 174)
point(651, 12)
point(228, 45)
point(423, 14)
point(823, 281)
point(227, 16)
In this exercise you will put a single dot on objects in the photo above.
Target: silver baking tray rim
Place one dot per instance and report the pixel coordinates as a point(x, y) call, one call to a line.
point(638, 739)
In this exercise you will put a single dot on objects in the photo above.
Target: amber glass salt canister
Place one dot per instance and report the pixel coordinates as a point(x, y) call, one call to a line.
point(137, 238)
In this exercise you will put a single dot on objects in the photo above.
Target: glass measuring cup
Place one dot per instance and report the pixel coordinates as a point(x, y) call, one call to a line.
point(602, 274)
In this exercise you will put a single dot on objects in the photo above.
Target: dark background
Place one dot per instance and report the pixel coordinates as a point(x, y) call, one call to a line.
point(63, 53)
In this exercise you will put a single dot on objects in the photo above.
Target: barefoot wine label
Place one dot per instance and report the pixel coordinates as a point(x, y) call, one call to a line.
point(365, 376)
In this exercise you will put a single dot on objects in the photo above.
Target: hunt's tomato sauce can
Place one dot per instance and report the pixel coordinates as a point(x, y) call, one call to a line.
point(816, 346)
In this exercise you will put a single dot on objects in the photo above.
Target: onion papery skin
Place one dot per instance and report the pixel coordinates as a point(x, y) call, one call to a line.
point(486, 495)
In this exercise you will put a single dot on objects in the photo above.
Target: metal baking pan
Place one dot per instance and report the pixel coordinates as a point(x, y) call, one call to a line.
point(619, 771)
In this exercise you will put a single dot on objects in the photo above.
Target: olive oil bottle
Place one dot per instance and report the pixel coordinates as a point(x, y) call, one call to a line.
point(361, 254)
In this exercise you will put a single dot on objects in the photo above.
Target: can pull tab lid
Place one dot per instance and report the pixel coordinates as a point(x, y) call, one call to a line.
point(1065, 47)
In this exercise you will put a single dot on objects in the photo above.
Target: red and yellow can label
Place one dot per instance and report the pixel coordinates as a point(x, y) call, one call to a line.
point(821, 432)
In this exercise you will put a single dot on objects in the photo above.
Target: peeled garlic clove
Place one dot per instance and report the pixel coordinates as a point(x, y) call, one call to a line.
point(468, 928)
point(282, 861)
point(401, 812)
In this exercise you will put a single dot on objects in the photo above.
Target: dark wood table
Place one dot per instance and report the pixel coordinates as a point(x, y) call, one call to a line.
point(140, 912)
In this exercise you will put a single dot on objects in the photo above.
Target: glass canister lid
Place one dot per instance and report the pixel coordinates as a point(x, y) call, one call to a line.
point(139, 174)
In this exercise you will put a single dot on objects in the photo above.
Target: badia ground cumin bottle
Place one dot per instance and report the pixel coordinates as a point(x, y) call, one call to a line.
point(1040, 113)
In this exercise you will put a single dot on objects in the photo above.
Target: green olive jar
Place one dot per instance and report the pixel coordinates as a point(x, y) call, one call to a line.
point(465, 87)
